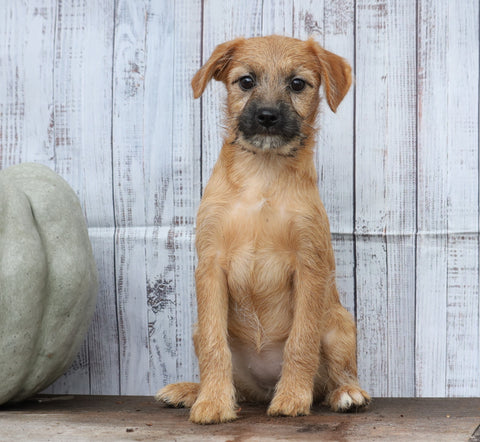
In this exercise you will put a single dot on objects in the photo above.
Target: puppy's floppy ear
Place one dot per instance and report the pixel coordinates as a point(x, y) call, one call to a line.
point(335, 73)
point(215, 67)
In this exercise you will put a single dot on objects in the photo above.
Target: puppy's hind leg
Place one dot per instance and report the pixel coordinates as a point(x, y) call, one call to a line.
point(182, 394)
point(343, 391)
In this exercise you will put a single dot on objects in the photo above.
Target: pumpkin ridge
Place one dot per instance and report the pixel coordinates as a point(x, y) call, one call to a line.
point(25, 266)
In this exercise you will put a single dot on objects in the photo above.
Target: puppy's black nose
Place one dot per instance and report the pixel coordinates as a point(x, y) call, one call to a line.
point(267, 117)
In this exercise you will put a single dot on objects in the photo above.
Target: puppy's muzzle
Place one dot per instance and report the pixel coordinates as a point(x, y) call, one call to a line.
point(269, 121)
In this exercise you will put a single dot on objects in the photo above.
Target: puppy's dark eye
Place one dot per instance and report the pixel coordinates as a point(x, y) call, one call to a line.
point(246, 82)
point(297, 85)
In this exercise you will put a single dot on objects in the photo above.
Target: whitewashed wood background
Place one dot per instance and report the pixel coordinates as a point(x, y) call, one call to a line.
point(99, 91)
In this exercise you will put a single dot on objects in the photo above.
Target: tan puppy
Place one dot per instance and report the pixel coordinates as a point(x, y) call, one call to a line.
point(270, 323)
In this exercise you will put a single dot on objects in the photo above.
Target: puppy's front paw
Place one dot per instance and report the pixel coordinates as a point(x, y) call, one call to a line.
point(284, 404)
point(348, 397)
point(183, 394)
point(212, 411)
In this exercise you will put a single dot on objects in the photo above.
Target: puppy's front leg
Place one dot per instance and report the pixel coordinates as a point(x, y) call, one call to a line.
point(301, 356)
point(216, 399)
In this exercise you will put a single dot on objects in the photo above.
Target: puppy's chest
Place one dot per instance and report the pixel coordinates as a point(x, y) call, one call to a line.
point(261, 255)
point(260, 221)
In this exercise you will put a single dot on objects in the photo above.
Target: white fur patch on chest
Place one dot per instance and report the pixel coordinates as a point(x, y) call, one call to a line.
point(248, 205)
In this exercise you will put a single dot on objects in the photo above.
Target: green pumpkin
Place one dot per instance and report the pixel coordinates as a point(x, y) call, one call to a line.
point(48, 279)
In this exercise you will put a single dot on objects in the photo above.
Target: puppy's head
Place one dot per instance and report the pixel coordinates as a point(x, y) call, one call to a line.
point(273, 88)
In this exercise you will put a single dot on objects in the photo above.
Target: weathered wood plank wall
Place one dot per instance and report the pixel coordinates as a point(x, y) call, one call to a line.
point(99, 91)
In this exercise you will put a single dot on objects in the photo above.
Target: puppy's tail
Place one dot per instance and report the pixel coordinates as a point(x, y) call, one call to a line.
point(183, 394)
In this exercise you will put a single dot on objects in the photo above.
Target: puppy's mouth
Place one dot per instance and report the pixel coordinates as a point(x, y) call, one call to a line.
point(269, 128)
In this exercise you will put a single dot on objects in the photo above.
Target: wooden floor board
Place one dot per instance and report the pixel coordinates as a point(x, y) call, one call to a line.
point(117, 418)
